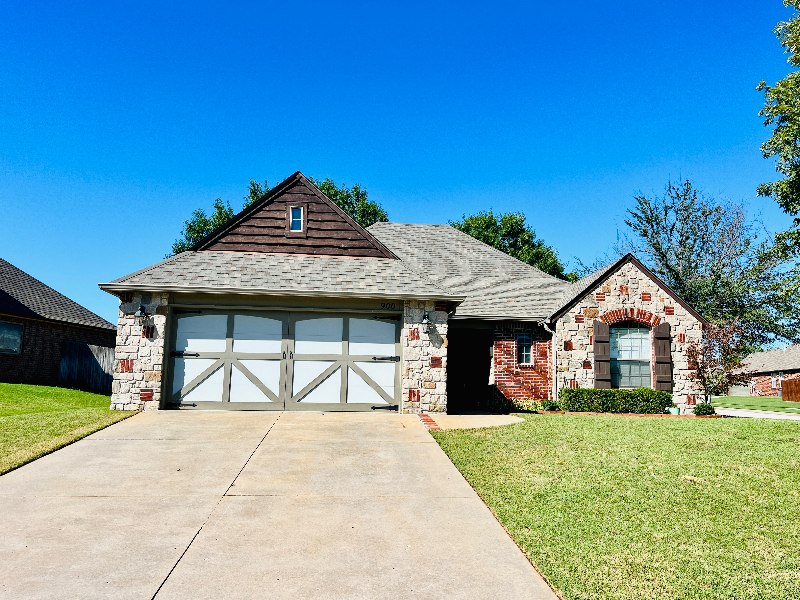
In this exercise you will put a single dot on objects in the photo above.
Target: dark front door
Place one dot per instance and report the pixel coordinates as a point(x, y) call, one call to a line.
point(468, 365)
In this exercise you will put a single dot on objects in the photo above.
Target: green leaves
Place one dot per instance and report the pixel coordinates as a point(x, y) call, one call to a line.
point(640, 401)
point(511, 234)
point(781, 111)
point(710, 254)
point(353, 201)
point(200, 225)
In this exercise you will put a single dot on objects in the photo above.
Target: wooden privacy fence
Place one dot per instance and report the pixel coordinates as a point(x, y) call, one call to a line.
point(791, 389)
point(86, 367)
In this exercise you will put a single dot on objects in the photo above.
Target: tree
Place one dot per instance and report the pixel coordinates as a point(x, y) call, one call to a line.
point(353, 201)
point(716, 359)
point(510, 233)
point(200, 225)
point(712, 256)
point(782, 112)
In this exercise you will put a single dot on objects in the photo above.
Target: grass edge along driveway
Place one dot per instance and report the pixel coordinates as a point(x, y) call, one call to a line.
point(627, 507)
point(36, 420)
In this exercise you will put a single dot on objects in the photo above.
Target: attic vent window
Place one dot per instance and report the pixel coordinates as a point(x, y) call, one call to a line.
point(296, 222)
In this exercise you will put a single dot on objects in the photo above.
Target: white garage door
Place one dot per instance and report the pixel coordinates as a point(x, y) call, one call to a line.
point(270, 360)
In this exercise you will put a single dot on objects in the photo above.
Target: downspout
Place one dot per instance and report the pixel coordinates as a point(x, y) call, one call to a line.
point(555, 358)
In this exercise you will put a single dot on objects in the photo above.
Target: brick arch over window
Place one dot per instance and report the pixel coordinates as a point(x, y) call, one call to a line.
point(630, 314)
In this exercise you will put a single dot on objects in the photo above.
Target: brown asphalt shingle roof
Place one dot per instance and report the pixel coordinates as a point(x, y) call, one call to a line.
point(496, 285)
point(24, 296)
point(287, 274)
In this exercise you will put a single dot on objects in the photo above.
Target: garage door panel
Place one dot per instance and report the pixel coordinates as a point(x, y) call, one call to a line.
point(360, 392)
point(187, 370)
point(319, 336)
point(202, 333)
point(209, 390)
point(254, 334)
point(243, 389)
point(371, 337)
point(327, 383)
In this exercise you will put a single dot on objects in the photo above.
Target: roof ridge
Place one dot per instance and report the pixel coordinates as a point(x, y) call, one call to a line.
point(166, 261)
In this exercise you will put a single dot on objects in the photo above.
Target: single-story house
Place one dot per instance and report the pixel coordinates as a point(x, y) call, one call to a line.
point(771, 368)
point(292, 305)
point(47, 339)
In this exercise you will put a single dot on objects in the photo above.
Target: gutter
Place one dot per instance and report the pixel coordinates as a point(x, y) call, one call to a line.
point(555, 357)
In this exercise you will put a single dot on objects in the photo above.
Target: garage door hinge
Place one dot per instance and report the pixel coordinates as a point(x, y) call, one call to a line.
point(387, 358)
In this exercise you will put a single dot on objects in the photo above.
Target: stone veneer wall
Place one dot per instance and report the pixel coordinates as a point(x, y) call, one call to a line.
point(139, 357)
point(576, 366)
point(520, 383)
point(424, 356)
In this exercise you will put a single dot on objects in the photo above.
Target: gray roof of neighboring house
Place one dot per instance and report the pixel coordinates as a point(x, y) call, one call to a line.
point(24, 296)
point(295, 274)
point(771, 361)
point(496, 285)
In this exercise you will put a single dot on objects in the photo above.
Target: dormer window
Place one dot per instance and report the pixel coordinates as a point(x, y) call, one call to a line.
point(296, 218)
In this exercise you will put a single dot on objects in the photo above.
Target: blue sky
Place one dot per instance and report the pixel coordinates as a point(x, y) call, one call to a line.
point(117, 120)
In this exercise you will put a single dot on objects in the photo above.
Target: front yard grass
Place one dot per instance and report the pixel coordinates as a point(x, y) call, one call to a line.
point(631, 507)
point(757, 403)
point(35, 420)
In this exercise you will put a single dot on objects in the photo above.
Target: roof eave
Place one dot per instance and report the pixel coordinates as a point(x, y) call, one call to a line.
point(177, 289)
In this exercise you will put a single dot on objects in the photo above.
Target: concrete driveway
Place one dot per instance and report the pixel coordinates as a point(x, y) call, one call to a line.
point(254, 505)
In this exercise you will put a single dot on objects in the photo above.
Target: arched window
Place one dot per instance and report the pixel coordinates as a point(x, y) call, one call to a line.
point(630, 356)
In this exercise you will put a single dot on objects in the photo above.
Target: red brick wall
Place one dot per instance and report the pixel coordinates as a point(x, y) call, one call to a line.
point(762, 384)
point(517, 382)
point(40, 357)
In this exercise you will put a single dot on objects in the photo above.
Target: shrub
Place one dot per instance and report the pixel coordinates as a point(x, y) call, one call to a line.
point(641, 400)
point(550, 405)
point(703, 409)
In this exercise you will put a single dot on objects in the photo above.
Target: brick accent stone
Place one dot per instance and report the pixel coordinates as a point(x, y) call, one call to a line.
point(424, 385)
point(618, 307)
point(139, 356)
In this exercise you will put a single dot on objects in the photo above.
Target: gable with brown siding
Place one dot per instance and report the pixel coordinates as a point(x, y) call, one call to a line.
point(264, 227)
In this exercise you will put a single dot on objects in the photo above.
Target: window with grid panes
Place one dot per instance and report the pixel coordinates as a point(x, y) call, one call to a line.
point(630, 357)
point(524, 350)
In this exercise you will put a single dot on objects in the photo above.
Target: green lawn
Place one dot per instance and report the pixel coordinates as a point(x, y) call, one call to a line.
point(35, 420)
point(757, 403)
point(641, 508)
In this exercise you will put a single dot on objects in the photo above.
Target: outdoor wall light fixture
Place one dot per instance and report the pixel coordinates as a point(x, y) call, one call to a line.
point(140, 315)
point(425, 323)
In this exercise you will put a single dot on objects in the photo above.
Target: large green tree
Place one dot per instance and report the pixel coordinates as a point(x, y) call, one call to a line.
point(511, 233)
point(717, 260)
point(352, 200)
point(782, 112)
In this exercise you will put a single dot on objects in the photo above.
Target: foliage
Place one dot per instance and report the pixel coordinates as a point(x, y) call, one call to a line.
point(200, 225)
point(511, 234)
point(353, 201)
point(36, 419)
point(704, 409)
point(550, 404)
point(255, 192)
point(640, 401)
point(637, 508)
point(716, 359)
point(781, 111)
point(709, 253)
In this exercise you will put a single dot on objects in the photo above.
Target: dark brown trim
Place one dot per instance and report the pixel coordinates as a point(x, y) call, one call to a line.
point(278, 190)
point(616, 267)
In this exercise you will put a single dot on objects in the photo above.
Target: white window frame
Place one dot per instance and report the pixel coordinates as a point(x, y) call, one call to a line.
point(292, 219)
point(644, 358)
point(532, 360)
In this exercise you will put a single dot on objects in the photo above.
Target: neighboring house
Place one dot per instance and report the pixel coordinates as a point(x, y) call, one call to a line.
point(771, 368)
point(47, 339)
point(293, 305)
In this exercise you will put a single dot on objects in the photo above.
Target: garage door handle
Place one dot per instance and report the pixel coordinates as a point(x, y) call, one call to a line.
point(284, 355)
point(388, 358)
point(183, 354)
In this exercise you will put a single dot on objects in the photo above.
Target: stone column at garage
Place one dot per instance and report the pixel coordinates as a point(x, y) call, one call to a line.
point(139, 354)
point(424, 346)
